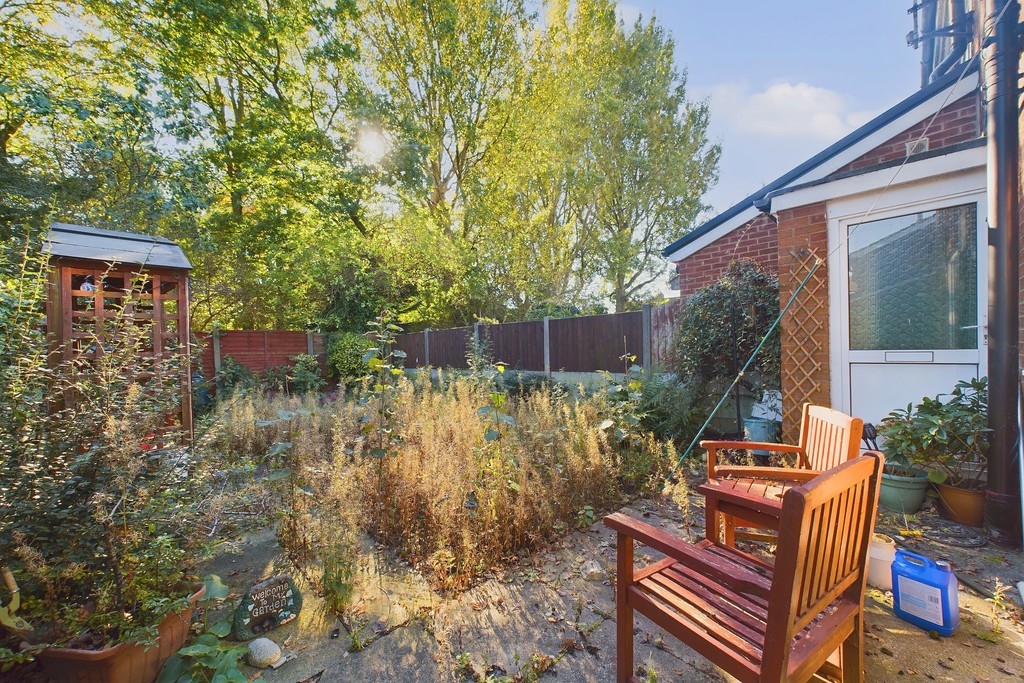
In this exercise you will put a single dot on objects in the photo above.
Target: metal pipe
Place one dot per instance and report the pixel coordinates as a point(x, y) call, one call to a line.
point(956, 53)
point(928, 46)
point(1000, 70)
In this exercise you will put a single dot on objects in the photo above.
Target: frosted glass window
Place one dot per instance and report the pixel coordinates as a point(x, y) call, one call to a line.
point(914, 281)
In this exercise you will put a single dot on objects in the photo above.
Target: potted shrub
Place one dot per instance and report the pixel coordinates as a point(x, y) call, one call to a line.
point(947, 438)
point(97, 524)
point(903, 486)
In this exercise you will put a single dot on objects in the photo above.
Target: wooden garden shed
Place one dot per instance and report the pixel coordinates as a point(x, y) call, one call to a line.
point(98, 275)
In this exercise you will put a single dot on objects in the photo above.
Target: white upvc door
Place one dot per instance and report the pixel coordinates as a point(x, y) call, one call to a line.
point(908, 293)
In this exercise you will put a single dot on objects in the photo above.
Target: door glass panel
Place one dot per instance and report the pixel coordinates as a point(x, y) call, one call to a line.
point(914, 281)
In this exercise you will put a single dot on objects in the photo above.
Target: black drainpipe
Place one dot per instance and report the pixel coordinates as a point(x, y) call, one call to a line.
point(1002, 506)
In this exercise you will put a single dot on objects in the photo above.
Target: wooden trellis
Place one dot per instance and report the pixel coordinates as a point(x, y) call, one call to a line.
point(101, 279)
point(805, 339)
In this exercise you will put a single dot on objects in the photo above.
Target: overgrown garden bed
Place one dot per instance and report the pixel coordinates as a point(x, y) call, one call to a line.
point(457, 475)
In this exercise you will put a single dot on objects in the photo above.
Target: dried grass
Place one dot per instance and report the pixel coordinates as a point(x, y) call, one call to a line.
point(450, 502)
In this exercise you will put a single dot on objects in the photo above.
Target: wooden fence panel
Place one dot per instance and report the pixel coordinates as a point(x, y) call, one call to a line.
point(518, 345)
point(412, 344)
point(448, 347)
point(596, 342)
point(583, 344)
point(259, 350)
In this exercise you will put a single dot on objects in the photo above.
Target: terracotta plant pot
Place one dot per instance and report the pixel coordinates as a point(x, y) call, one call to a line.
point(962, 505)
point(126, 662)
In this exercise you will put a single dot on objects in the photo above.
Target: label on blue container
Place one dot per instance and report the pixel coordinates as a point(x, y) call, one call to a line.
point(919, 600)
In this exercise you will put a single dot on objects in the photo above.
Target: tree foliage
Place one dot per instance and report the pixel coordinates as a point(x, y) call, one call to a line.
point(320, 160)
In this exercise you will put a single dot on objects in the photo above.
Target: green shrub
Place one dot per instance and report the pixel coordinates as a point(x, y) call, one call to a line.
point(304, 375)
point(516, 383)
point(722, 324)
point(669, 409)
point(233, 375)
point(345, 352)
point(99, 524)
point(946, 438)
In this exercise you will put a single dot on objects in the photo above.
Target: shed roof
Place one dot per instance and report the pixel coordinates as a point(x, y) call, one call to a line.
point(111, 246)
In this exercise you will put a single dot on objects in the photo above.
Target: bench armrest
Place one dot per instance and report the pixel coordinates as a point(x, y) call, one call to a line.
point(733, 576)
point(713, 447)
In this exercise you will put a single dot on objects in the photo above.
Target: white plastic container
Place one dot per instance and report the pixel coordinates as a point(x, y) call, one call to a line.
point(880, 557)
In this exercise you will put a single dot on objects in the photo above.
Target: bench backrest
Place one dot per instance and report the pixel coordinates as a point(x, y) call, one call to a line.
point(828, 437)
point(825, 533)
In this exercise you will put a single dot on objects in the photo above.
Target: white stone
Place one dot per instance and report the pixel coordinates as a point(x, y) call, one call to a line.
point(593, 571)
point(263, 652)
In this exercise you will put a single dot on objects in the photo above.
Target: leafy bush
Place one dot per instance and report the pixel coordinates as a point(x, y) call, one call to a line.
point(669, 409)
point(233, 375)
point(304, 375)
point(345, 352)
point(722, 324)
point(946, 438)
point(98, 520)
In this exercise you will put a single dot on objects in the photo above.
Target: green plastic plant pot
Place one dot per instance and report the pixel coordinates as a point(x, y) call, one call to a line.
point(903, 494)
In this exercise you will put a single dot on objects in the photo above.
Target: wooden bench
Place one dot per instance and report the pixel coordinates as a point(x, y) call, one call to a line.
point(827, 439)
point(756, 621)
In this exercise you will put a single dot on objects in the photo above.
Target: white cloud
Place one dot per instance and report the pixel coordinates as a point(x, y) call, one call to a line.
point(785, 110)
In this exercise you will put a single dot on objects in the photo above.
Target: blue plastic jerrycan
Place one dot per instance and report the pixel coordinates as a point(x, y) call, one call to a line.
point(925, 593)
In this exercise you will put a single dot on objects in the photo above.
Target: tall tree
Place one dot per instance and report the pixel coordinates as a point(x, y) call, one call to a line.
point(257, 95)
point(648, 156)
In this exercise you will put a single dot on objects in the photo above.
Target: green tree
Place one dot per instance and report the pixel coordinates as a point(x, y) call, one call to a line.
point(648, 157)
point(449, 76)
point(256, 95)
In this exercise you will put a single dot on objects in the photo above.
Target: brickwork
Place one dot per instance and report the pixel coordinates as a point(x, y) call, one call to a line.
point(756, 241)
point(803, 238)
point(957, 122)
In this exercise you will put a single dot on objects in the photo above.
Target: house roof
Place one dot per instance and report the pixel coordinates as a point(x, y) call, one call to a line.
point(111, 246)
point(749, 206)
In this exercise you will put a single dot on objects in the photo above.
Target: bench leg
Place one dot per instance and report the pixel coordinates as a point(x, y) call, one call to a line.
point(852, 653)
point(623, 612)
point(729, 530)
point(711, 519)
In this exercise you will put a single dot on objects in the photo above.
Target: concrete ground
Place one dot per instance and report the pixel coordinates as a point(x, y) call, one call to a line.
point(553, 615)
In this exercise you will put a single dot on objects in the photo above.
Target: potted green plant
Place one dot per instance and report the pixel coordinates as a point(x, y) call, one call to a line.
point(947, 438)
point(98, 527)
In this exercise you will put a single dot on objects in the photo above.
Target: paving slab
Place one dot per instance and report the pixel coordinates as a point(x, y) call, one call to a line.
point(553, 616)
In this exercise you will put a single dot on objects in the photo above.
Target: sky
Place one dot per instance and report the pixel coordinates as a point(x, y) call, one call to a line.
point(785, 78)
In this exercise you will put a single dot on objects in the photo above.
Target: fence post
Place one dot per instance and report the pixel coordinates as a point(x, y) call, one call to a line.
point(216, 356)
point(309, 342)
point(547, 346)
point(646, 344)
point(426, 347)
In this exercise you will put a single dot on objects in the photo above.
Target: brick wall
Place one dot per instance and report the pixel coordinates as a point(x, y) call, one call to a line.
point(802, 238)
point(957, 122)
point(756, 241)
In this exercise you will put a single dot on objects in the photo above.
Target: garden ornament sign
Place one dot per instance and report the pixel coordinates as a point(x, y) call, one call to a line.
point(268, 604)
